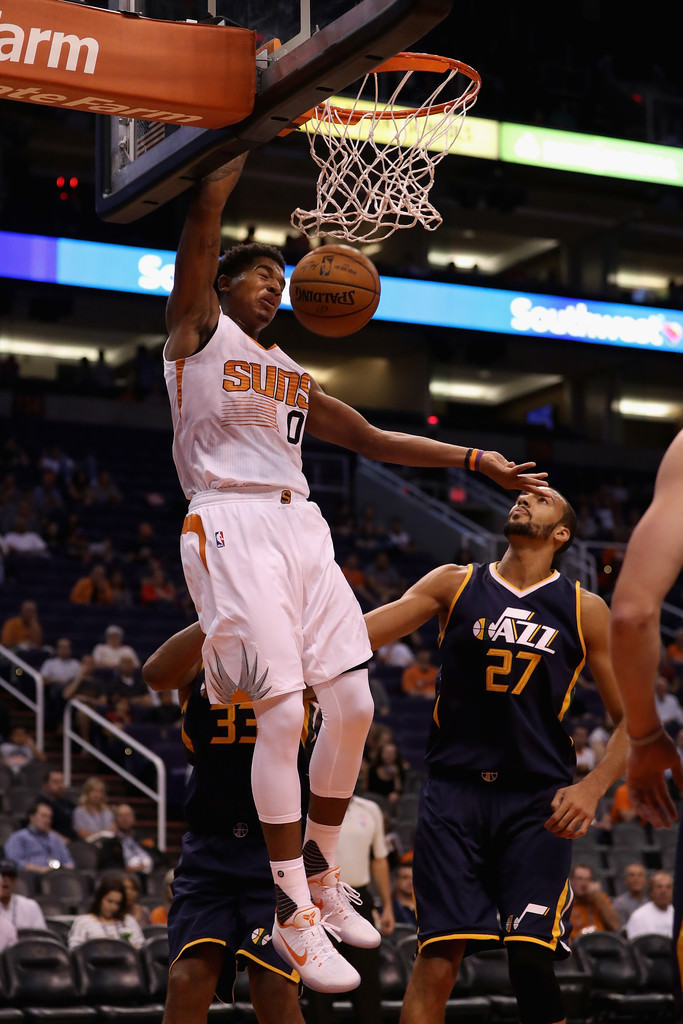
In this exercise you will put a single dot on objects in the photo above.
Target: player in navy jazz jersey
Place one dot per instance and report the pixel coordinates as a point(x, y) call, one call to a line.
point(223, 900)
point(499, 809)
point(653, 562)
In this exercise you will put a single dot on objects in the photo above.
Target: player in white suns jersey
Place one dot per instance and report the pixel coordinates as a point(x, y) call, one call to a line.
point(258, 397)
point(259, 563)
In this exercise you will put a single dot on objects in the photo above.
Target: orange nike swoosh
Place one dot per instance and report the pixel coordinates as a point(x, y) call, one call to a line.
point(301, 960)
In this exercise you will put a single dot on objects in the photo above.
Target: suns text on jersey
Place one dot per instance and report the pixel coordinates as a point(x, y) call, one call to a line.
point(269, 380)
point(516, 626)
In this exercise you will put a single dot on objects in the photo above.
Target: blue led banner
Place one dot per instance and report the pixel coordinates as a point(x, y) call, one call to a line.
point(150, 272)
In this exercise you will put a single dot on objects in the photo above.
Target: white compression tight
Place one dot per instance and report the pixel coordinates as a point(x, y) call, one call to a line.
point(347, 709)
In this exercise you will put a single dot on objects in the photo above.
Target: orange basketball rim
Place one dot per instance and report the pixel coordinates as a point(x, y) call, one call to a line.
point(377, 158)
point(61, 54)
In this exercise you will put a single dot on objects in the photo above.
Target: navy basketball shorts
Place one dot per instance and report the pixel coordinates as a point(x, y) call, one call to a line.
point(223, 894)
point(485, 869)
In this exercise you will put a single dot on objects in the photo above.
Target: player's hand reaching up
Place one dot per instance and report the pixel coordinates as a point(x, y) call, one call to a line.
point(510, 475)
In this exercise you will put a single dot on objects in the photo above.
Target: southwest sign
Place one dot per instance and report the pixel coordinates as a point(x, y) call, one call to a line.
point(70, 261)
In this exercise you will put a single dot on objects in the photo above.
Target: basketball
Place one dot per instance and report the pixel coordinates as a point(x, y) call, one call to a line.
point(334, 290)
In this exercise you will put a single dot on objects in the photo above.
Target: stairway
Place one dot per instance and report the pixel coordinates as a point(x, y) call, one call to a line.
point(118, 789)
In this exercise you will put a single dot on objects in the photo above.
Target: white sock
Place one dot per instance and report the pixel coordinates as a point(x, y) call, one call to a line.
point(320, 847)
point(291, 887)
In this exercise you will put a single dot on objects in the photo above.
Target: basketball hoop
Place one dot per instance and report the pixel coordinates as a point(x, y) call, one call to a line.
point(377, 160)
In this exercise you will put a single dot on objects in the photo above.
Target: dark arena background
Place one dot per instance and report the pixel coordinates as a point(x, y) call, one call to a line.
point(543, 319)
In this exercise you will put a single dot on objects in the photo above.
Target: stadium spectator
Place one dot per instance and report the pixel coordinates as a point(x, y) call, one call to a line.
point(398, 538)
point(107, 917)
point(403, 898)
point(674, 654)
point(167, 711)
point(656, 917)
point(386, 773)
point(23, 542)
point(132, 889)
point(8, 933)
point(122, 595)
point(344, 522)
point(105, 491)
point(90, 689)
point(79, 491)
point(144, 544)
point(668, 707)
point(159, 914)
point(127, 682)
point(378, 735)
point(48, 500)
point(19, 749)
point(24, 630)
point(399, 654)
point(121, 713)
point(94, 588)
point(383, 580)
point(419, 679)
point(21, 911)
point(592, 909)
point(135, 857)
point(10, 497)
point(355, 576)
point(378, 691)
point(55, 460)
point(621, 809)
point(62, 667)
point(110, 653)
point(158, 589)
point(585, 755)
point(37, 847)
point(370, 535)
point(54, 793)
point(635, 892)
point(58, 670)
point(93, 818)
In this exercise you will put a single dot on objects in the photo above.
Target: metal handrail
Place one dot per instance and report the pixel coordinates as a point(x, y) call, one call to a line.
point(37, 705)
point(159, 796)
point(413, 495)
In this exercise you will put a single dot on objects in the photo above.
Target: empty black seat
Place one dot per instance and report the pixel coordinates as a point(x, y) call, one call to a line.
point(113, 979)
point(618, 979)
point(41, 981)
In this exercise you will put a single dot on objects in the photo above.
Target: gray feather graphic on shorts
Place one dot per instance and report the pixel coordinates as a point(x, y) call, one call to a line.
point(249, 680)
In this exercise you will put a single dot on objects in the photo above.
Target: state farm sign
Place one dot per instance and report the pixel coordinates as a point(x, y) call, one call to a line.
point(105, 62)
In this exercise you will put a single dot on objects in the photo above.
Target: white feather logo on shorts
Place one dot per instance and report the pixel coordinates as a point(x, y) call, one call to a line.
point(249, 679)
point(531, 908)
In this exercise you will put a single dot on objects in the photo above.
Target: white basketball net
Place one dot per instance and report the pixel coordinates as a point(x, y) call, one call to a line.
point(377, 165)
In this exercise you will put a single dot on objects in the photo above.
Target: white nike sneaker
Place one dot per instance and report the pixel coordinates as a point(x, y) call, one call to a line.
point(303, 943)
point(333, 898)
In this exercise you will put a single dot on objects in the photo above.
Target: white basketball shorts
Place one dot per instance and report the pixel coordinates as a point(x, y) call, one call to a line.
point(276, 609)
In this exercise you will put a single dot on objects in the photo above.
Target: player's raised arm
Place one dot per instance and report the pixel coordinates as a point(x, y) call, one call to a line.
point(653, 561)
point(432, 595)
point(177, 661)
point(334, 421)
point(192, 308)
point(574, 806)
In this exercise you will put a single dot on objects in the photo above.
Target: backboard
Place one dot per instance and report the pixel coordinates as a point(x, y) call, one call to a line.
point(322, 47)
